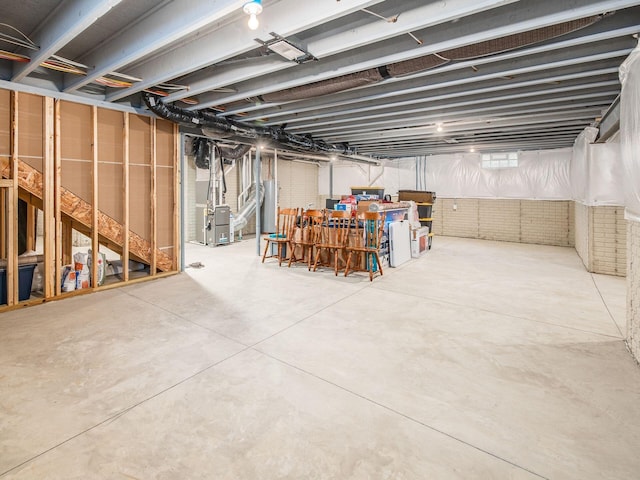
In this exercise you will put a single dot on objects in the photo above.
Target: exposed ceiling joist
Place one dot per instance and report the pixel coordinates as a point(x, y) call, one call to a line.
point(284, 17)
point(178, 19)
point(61, 27)
point(364, 36)
point(499, 23)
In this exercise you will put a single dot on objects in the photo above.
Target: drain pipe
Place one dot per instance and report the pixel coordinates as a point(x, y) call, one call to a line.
point(256, 169)
point(275, 180)
point(331, 180)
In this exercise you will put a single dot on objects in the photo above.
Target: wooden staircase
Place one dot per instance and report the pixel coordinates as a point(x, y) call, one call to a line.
point(79, 212)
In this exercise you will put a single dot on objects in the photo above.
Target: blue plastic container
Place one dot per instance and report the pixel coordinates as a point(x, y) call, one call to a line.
point(25, 280)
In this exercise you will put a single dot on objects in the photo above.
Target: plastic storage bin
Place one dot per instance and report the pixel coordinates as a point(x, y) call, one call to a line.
point(25, 279)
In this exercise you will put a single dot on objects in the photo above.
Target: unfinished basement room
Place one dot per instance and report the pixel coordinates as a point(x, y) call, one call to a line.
point(336, 239)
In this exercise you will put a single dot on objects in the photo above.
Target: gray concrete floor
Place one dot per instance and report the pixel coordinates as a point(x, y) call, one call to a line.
point(479, 360)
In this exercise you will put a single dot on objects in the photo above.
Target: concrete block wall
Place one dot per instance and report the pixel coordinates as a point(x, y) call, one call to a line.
point(601, 238)
point(298, 182)
point(524, 221)
point(609, 241)
point(499, 220)
point(583, 235)
point(633, 288)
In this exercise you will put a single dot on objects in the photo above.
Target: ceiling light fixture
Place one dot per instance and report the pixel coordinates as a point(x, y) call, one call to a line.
point(253, 9)
point(439, 127)
point(286, 49)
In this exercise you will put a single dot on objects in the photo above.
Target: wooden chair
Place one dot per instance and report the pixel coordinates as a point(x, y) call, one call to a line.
point(285, 226)
point(372, 236)
point(335, 233)
point(307, 237)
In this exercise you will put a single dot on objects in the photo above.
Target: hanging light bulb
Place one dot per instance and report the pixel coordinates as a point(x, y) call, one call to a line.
point(253, 22)
point(253, 9)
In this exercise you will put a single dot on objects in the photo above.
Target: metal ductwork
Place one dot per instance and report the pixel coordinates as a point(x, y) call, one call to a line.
point(239, 132)
point(427, 62)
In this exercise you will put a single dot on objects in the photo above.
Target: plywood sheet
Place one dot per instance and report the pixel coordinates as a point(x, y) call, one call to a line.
point(140, 198)
point(139, 140)
point(76, 177)
point(110, 125)
point(75, 131)
point(110, 189)
point(165, 143)
point(5, 122)
point(76, 143)
point(165, 200)
point(30, 129)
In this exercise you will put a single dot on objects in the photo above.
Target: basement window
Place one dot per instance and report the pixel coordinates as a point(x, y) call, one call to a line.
point(500, 160)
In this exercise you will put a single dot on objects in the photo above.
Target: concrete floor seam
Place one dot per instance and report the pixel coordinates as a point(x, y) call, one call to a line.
point(605, 304)
point(123, 412)
point(310, 315)
point(396, 412)
point(174, 314)
point(448, 302)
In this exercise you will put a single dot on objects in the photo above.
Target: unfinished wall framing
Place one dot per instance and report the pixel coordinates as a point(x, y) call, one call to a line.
point(110, 175)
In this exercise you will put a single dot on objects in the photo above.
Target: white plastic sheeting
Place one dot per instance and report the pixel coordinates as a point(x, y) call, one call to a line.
point(596, 171)
point(630, 132)
point(540, 175)
point(392, 175)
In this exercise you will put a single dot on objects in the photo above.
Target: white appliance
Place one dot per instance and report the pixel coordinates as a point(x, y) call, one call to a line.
point(399, 243)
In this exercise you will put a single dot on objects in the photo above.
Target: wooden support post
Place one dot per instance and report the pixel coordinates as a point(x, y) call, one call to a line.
point(177, 193)
point(48, 196)
point(67, 243)
point(95, 245)
point(3, 216)
point(154, 198)
point(12, 213)
point(125, 199)
point(32, 219)
point(57, 185)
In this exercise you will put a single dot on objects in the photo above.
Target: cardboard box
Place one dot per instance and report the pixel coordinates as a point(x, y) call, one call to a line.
point(418, 196)
point(419, 242)
point(363, 205)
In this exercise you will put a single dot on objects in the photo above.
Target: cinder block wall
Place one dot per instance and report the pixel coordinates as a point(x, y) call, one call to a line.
point(609, 241)
point(583, 235)
point(633, 288)
point(525, 221)
point(601, 238)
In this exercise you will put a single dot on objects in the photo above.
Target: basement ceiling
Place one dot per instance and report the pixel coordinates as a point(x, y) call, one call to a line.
point(388, 78)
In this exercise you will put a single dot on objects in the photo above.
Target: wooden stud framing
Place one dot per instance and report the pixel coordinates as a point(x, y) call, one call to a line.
point(125, 200)
point(31, 182)
point(32, 218)
point(177, 193)
point(154, 199)
point(12, 211)
point(4, 184)
point(95, 245)
point(48, 195)
point(67, 243)
point(64, 211)
point(61, 238)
